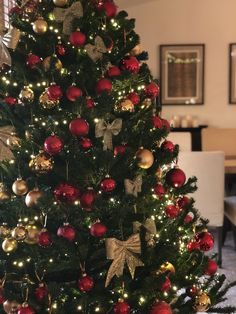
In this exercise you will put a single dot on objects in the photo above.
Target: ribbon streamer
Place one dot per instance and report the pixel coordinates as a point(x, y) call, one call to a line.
point(96, 51)
point(122, 252)
point(133, 187)
point(9, 40)
point(67, 16)
point(149, 225)
point(5, 151)
point(106, 130)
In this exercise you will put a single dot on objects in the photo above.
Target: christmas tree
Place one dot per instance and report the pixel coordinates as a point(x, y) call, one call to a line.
point(94, 212)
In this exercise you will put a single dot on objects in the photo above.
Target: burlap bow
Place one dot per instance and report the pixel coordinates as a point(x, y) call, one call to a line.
point(133, 187)
point(106, 130)
point(122, 252)
point(67, 16)
point(97, 50)
point(9, 40)
point(5, 133)
point(149, 225)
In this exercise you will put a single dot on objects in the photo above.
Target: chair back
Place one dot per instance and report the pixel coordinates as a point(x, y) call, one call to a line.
point(183, 139)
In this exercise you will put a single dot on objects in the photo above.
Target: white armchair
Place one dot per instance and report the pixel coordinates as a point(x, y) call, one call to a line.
point(183, 139)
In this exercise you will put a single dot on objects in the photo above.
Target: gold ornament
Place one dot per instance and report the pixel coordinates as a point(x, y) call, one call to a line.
point(202, 302)
point(4, 231)
point(40, 26)
point(146, 103)
point(47, 103)
point(32, 197)
point(4, 195)
point(49, 63)
point(60, 3)
point(26, 94)
point(19, 187)
point(10, 307)
point(167, 267)
point(19, 233)
point(145, 158)
point(41, 163)
point(9, 245)
point(136, 50)
point(126, 105)
point(33, 232)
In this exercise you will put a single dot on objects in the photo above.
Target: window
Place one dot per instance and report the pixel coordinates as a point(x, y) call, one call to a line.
point(7, 5)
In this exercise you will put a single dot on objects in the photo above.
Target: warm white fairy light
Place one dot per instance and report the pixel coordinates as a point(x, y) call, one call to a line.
point(79, 308)
point(54, 306)
point(97, 309)
point(141, 300)
point(51, 260)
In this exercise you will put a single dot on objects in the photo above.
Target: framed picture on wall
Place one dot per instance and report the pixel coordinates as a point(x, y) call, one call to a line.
point(182, 74)
point(232, 73)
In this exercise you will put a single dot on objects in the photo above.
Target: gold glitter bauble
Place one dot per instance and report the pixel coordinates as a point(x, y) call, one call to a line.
point(60, 3)
point(32, 197)
point(40, 26)
point(9, 245)
point(167, 267)
point(126, 105)
point(11, 307)
point(47, 103)
point(19, 187)
point(4, 231)
point(33, 232)
point(50, 63)
point(136, 50)
point(146, 103)
point(41, 163)
point(26, 94)
point(19, 233)
point(202, 302)
point(145, 158)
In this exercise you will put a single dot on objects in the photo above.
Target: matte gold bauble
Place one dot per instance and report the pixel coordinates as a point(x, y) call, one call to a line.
point(50, 63)
point(60, 3)
point(19, 233)
point(126, 105)
point(33, 232)
point(145, 158)
point(9, 245)
point(11, 307)
point(41, 163)
point(19, 187)
point(40, 26)
point(26, 94)
point(167, 267)
point(146, 103)
point(47, 103)
point(32, 197)
point(4, 195)
point(202, 302)
point(136, 50)
point(4, 230)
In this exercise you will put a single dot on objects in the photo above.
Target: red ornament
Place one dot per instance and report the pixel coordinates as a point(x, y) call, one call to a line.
point(192, 245)
point(119, 149)
point(66, 231)
point(77, 39)
point(86, 283)
point(41, 292)
point(134, 97)
point(65, 192)
point(211, 268)
point(10, 100)
point(103, 85)
point(73, 93)
point(152, 90)
point(192, 291)
point(15, 10)
point(175, 177)
point(172, 211)
point(205, 240)
point(157, 122)
point(25, 309)
point(188, 218)
point(98, 230)
point(108, 185)
point(85, 143)
point(60, 50)
point(131, 64)
point(165, 124)
point(44, 239)
point(90, 102)
point(53, 145)
point(79, 127)
point(183, 201)
point(113, 71)
point(87, 199)
point(166, 285)
point(168, 146)
point(110, 9)
point(159, 190)
point(161, 307)
point(32, 60)
point(121, 307)
point(54, 92)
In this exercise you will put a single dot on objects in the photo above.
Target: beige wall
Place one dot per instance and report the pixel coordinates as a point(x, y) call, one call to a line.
point(212, 22)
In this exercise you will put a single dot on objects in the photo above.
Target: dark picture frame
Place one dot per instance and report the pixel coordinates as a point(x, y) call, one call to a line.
point(232, 73)
point(182, 74)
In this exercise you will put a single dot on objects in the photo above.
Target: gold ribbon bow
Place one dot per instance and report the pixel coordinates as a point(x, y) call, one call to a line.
point(149, 225)
point(133, 187)
point(5, 134)
point(122, 252)
point(9, 40)
point(96, 51)
point(67, 16)
point(106, 130)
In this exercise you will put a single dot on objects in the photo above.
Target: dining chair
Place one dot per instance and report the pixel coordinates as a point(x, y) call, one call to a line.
point(208, 167)
point(183, 139)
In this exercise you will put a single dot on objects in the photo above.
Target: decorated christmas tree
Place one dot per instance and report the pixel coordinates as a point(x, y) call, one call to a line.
point(94, 212)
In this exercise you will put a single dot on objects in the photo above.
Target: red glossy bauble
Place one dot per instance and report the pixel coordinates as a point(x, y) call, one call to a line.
point(98, 230)
point(60, 50)
point(87, 199)
point(65, 192)
point(110, 9)
point(41, 292)
point(211, 267)
point(54, 92)
point(79, 127)
point(86, 283)
point(113, 71)
point(175, 177)
point(131, 64)
point(103, 85)
point(32, 60)
point(73, 93)
point(10, 100)
point(121, 307)
point(159, 190)
point(168, 146)
point(53, 145)
point(205, 240)
point(134, 97)
point(67, 232)
point(188, 218)
point(157, 122)
point(119, 149)
point(152, 90)
point(183, 202)
point(90, 103)
point(44, 239)
point(165, 124)
point(192, 291)
point(166, 285)
point(192, 245)
point(25, 309)
point(161, 307)
point(108, 185)
point(85, 143)
point(172, 211)
point(77, 39)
